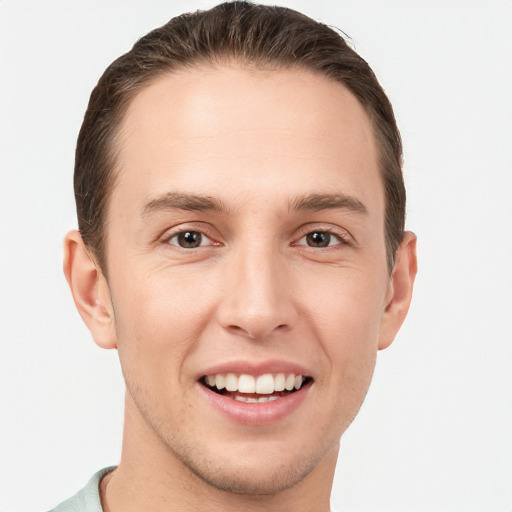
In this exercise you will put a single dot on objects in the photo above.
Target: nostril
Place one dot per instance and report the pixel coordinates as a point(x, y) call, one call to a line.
point(256, 331)
point(237, 329)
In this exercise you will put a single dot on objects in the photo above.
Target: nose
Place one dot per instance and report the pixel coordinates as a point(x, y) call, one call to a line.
point(257, 296)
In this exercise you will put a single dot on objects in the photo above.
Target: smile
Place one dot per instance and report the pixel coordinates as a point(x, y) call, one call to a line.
point(247, 388)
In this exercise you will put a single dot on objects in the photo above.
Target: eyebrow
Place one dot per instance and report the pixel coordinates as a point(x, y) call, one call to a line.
point(318, 202)
point(188, 202)
point(308, 202)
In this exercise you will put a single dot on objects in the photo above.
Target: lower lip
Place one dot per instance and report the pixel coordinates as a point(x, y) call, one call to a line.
point(261, 413)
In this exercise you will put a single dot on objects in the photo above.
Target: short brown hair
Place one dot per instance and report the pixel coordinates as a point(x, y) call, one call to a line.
point(255, 34)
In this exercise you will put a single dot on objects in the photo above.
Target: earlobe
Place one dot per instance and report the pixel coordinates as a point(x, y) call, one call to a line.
point(90, 290)
point(400, 290)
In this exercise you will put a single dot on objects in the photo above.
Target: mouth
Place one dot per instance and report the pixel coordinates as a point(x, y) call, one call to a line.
point(267, 387)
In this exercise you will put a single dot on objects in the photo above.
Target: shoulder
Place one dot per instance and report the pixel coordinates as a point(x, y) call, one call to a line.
point(88, 499)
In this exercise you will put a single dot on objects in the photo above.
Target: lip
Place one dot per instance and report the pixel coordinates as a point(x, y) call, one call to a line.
point(255, 368)
point(259, 414)
point(256, 414)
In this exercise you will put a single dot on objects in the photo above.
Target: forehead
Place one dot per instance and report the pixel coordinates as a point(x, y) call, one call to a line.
point(239, 131)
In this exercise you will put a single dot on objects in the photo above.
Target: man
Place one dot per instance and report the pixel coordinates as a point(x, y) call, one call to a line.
point(241, 243)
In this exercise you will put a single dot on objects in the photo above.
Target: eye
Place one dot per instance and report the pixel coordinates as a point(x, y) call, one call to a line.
point(320, 239)
point(190, 240)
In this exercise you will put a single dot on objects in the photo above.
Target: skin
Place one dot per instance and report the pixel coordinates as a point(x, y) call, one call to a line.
point(265, 145)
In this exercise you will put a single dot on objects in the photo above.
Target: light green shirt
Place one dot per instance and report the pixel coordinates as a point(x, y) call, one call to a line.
point(88, 499)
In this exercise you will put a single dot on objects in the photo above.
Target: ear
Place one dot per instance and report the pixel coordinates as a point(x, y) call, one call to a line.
point(399, 290)
point(90, 290)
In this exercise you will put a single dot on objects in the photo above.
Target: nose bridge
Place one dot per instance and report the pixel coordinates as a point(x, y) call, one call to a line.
point(257, 297)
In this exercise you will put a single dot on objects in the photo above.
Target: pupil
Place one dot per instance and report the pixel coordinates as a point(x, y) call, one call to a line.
point(189, 239)
point(318, 239)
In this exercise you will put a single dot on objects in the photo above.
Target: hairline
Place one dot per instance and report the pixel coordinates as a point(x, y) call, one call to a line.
point(114, 141)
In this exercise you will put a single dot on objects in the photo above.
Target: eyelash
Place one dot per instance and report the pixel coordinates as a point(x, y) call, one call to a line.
point(341, 238)
point(175, 236)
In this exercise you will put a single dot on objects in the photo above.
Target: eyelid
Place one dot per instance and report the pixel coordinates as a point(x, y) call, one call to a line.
point(203, 238)
point(343, 235)
point(203, 229)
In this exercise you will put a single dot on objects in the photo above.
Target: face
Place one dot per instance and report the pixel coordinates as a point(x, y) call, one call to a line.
point(247, 271)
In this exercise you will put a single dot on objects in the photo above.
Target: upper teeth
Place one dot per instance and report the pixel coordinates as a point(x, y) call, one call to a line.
point(264, 384)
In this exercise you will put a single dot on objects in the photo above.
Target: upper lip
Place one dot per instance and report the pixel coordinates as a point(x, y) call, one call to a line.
point(256, 368)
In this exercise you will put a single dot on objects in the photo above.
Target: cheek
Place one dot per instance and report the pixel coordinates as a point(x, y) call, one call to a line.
point(347, 309)
point(158, 322)
point(346, 315)
point(168, 300)
point(351, 346)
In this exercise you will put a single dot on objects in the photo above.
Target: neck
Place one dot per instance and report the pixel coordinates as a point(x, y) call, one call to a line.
point(151, 477)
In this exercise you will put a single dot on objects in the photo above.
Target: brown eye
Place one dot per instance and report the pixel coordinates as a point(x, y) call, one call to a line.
point(188, 239)
point(319, 239)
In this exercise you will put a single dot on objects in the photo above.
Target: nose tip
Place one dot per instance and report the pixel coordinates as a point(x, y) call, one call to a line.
point(256, 327)
point(257, 301)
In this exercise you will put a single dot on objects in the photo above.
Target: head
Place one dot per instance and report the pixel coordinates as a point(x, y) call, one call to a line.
point(241, 212)
point(258, 36)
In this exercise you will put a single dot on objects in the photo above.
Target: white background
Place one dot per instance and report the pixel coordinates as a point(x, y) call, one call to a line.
point(435, 433)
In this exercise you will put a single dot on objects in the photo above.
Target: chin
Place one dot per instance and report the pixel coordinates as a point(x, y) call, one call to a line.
point(257, 479)
point(254, 467)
